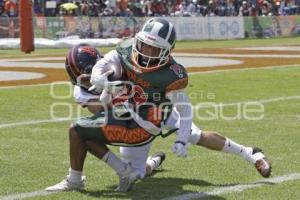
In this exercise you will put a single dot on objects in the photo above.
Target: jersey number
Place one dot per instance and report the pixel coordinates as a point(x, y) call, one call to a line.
point(139, 96)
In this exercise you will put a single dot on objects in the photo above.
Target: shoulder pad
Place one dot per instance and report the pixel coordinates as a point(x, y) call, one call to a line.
point(125, 44)
point(178, 70)
point(180, 80)
point(177, 85)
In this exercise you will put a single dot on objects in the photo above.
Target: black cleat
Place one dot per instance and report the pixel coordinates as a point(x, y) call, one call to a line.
point(162, 157)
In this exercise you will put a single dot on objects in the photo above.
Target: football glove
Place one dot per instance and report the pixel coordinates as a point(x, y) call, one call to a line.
point(99, 82)
point(179, 148)
point(102, 82)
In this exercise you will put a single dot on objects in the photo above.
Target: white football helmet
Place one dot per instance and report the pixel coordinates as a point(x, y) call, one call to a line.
point(153, 44)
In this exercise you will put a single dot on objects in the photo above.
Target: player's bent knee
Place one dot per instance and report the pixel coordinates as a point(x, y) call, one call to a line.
point(195, 137)
point(89, 144)
point(72, 132)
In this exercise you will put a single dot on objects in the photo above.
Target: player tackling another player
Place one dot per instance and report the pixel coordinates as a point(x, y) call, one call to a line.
point(142, 95)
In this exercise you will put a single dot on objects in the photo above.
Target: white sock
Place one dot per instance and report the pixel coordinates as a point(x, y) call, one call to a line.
point(75, 176)
point(153, 162)
point(235, 148)
point(114, 162)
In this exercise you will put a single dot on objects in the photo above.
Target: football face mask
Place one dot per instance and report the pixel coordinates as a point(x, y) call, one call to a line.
point(153, 44)
point(149, 56)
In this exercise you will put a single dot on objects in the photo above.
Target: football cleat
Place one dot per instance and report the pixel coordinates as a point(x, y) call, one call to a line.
point(262, 163)
point(127, 178)
point(158, 158)
point(67, 185)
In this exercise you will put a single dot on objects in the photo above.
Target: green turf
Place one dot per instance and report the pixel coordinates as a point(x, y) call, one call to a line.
point(33, 157)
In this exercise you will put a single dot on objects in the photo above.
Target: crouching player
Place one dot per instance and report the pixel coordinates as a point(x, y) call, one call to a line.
point(79, 63)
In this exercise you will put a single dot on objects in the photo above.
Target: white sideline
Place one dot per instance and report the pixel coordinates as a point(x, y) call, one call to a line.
point(26, 195)
point(236, 55)
point(33, 122)
point(25, 86)
point(216, 191)
point(242, 69)
point(236, 188)
point(259, 101)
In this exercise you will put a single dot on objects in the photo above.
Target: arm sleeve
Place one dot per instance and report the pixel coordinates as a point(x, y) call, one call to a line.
point(111, 56)
point(183, 106)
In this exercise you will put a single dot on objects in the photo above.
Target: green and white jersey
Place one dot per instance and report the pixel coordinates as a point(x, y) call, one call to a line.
point(151, 87)
point(155, 84)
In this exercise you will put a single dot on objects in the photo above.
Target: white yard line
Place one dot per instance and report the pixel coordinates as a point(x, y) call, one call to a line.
point(26, 195)
point(33, 122)
point(243, 69)
point(263, 101)
point(38, 85)
point(271, 48)
point(236, 55)
point(236, 188)
point(187, 196)
point(60, 58)
point(24, 86)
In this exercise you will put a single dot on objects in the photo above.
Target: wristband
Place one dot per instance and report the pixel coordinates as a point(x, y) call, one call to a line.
point(183, 143)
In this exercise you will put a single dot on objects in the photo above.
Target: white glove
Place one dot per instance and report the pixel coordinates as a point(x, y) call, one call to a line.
point(102, 83)
point(99, 82)
point(179, 148)
point(105, 97)
point(114, 87)
point(110, 89)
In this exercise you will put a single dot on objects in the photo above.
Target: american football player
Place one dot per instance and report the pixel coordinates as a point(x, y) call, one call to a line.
point(157, 101)
point(145, 59)
point(79, 62)
point(147, 105)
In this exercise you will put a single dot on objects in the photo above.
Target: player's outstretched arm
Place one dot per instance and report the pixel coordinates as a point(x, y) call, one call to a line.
point(183, 106)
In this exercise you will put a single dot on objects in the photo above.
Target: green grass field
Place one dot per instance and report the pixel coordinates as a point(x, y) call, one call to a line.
point(35, 156)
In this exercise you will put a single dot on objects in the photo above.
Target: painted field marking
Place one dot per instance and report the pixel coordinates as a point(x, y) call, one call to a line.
point(24, 86)
point(33, 122)
point(263, 101)
point(187, 196)
point(236, 188)
point(243, 69)
point(26, 195)
point(236, 55)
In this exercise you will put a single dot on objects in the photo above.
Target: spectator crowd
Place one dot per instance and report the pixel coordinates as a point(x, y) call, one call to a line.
point(141, 8)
